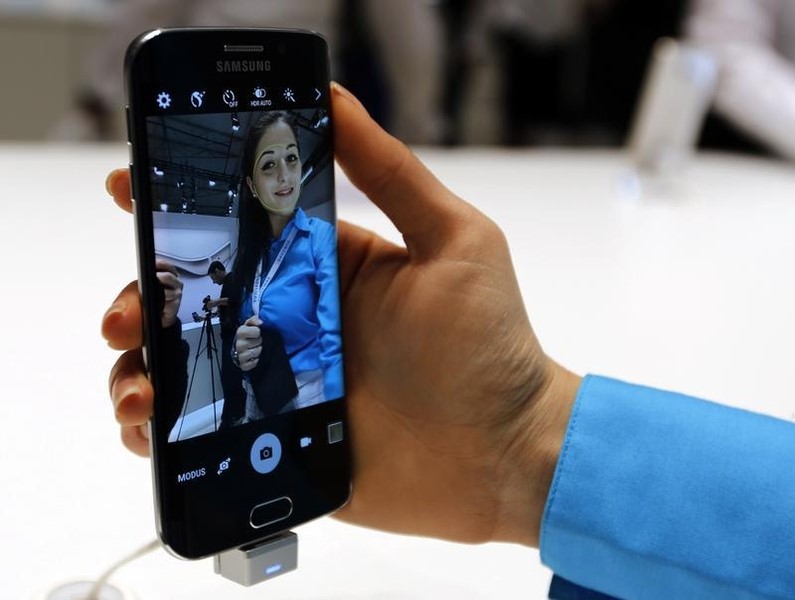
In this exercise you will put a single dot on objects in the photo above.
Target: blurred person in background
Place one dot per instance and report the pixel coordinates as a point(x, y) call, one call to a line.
point(754, 44)
point(569, 71)
point(529, 43)
point(538, 45)
point(392, 51)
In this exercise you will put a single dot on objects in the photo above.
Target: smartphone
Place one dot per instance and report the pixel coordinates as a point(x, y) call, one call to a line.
point(233, 186)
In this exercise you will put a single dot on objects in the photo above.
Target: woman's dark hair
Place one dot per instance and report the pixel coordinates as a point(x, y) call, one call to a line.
point(254, 228)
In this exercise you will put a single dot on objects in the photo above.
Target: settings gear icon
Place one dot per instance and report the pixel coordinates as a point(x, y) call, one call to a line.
point(164, 100)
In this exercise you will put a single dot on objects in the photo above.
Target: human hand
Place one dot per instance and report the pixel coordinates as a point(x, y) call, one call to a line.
point(248, 343)
point(171, 284)
point(457, 415)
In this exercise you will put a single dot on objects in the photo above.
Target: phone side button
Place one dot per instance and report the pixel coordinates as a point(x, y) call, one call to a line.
point(270, 512)
point(133, 190)
point(129, 129)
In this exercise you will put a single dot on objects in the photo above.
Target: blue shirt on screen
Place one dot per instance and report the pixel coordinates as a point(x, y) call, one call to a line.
point(302, 300)
point(660, 496)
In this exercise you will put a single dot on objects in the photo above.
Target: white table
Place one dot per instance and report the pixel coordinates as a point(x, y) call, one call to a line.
point(693, 292)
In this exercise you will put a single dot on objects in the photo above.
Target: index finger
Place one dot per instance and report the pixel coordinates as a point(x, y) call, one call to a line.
point(248, 332)
point(117, 184)
point(168, 276)
point(162, 265)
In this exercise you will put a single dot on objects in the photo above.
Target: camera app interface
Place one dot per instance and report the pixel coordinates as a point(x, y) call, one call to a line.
point(245, 245)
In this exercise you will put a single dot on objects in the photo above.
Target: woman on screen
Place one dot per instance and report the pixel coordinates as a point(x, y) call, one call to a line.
point(285, 275)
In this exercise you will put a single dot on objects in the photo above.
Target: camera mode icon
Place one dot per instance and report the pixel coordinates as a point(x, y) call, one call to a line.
point(266, 452)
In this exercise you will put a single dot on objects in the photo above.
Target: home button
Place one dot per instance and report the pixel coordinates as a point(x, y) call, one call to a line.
point(271, 512)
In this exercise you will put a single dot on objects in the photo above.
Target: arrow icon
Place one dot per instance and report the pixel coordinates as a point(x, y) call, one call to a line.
point(318, 94)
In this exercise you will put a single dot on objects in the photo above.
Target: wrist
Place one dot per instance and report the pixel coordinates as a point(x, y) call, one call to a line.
point(530, 462)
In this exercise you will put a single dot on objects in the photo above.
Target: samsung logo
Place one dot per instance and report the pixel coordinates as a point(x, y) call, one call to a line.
point(242, 66)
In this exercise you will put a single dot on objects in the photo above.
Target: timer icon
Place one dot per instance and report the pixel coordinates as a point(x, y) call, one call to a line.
point(229, 98)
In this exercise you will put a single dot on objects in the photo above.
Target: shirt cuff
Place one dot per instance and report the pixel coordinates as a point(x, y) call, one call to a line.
point(658, 495)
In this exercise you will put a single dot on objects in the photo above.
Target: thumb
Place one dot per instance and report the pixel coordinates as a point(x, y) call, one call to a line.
point(420, 206)
point(253, 321)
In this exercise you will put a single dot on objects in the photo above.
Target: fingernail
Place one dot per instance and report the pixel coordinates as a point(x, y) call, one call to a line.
point(112, 315)
point(109, 182)
point(115, 311)
point(337, 88)
point(144, 431)
point(129, 398)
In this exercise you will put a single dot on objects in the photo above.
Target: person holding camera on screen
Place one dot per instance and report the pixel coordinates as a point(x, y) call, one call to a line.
point(231, 376)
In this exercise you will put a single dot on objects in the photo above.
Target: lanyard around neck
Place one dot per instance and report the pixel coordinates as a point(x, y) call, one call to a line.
point(259, 286)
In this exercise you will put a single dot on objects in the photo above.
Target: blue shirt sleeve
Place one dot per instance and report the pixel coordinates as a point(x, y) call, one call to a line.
point(328, 309)
point(658, 495)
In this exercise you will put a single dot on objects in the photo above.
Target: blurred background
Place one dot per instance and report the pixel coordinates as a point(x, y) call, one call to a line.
point(448, 72)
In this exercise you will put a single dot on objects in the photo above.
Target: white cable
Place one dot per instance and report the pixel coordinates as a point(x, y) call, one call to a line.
point(103, 579)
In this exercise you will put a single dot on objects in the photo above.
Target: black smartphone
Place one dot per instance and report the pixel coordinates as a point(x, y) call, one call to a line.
point(233, 185)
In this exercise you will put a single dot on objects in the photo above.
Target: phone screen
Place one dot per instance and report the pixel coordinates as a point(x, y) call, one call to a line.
point(234, 187)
